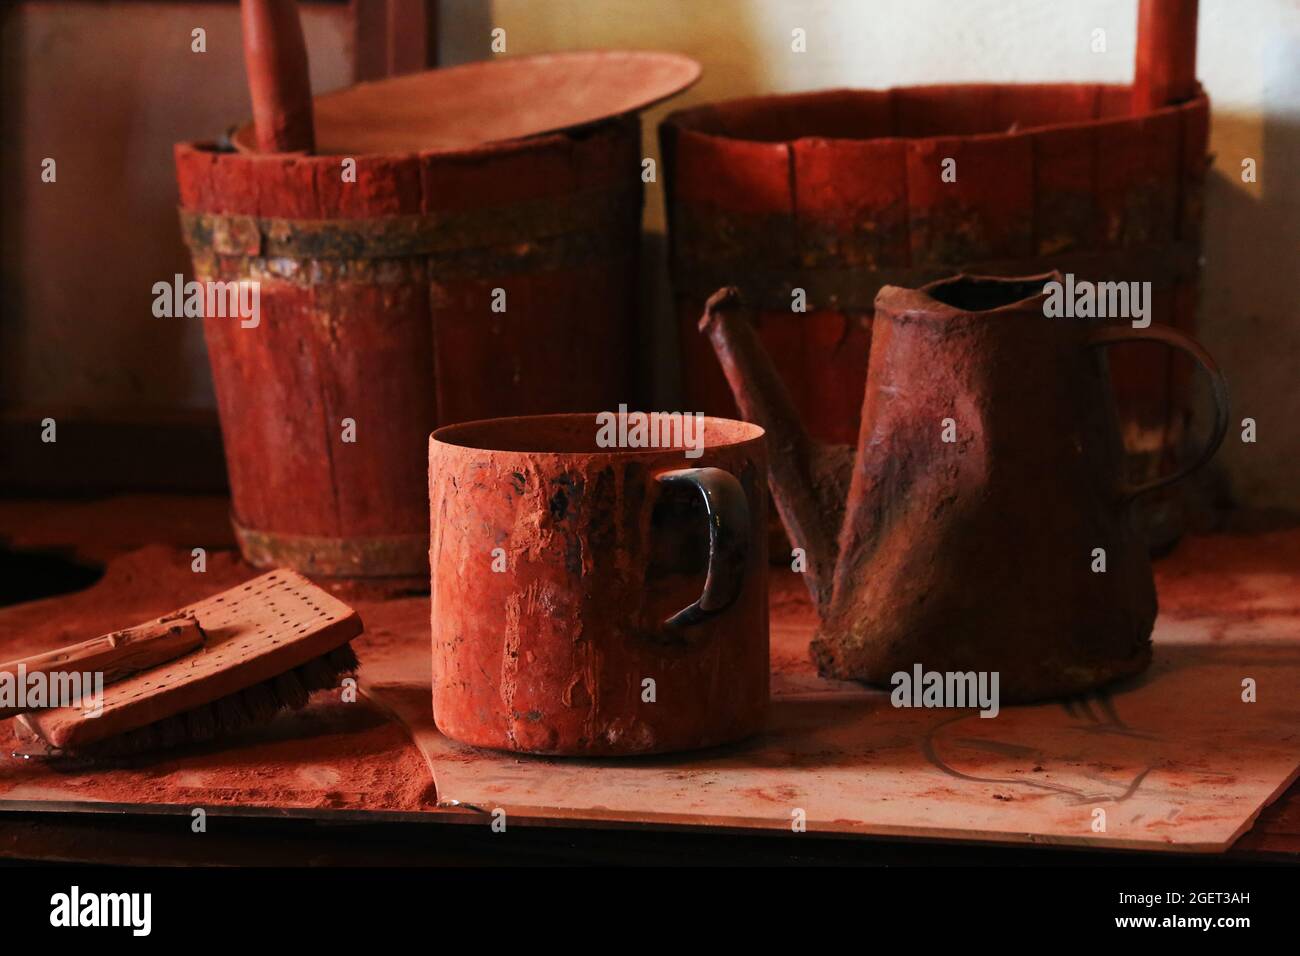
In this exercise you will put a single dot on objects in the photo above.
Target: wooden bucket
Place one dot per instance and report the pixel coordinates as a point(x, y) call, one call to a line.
point(462, 245)
point(839, 193)
point(376, 307)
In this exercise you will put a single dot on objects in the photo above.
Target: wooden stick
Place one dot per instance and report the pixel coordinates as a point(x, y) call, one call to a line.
point(117, 655)
point(275, 56)
point(1165, 69)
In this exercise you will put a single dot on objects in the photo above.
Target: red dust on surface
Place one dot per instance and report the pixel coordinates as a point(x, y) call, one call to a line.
point(329, 755)
point(352, 756)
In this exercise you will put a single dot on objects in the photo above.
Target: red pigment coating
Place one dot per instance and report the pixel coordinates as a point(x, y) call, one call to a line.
point(1165, 71)
point(330, 755)
point(260, 630)
point(275, 57)
point(371, 765)
point(452, 258)
point(972, 551)
point(549, 653)
point(396, 272)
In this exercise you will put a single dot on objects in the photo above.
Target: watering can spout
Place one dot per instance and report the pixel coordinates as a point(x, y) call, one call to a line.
point(809, 482)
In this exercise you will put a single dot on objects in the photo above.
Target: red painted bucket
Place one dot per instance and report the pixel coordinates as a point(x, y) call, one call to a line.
point(414, 274)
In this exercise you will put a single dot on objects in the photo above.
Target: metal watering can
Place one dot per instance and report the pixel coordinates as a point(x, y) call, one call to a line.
point(983, 523)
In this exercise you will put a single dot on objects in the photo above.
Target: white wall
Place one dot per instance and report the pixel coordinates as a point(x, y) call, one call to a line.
point(1248, 60)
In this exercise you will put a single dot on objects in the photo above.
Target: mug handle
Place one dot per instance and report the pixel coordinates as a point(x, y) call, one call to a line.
point(1111, 334)
point(729, 536)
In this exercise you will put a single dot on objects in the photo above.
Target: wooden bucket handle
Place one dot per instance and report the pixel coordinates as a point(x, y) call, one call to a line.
point(275, 56)
point(1164, 71)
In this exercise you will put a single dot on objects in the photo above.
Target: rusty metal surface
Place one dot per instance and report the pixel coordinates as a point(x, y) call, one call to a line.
point(560, 575)
point(412, 235)
point(394, 555)
point(976, 551)
point(595, 249)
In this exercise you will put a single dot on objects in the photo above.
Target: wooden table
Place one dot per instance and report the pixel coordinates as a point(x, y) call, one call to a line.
point(92, 532)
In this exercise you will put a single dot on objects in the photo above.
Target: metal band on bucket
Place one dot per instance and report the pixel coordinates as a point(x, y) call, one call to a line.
point(395, 236)
point(374, 556)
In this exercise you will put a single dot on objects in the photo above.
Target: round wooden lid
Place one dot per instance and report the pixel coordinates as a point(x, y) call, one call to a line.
point(461, 107)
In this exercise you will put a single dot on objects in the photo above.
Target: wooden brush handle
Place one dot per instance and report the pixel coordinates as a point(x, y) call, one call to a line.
point(116, 655)
point(1165, 69)
point(275, 56)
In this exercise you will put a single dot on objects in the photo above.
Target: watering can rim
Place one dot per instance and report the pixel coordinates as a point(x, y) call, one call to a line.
point(922, 303)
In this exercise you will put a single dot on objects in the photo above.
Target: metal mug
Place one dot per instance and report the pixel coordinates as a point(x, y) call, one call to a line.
point(592, 600)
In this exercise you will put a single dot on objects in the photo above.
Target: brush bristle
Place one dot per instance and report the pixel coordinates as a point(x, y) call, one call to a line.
point(235, 712)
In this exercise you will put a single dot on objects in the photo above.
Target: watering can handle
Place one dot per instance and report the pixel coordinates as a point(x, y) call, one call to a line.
point(729, 536)
point(1109, 335)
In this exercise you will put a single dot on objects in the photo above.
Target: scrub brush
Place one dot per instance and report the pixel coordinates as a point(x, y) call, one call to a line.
point(266, 646)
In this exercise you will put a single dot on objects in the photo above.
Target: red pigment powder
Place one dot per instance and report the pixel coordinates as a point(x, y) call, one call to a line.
point(329, 755)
